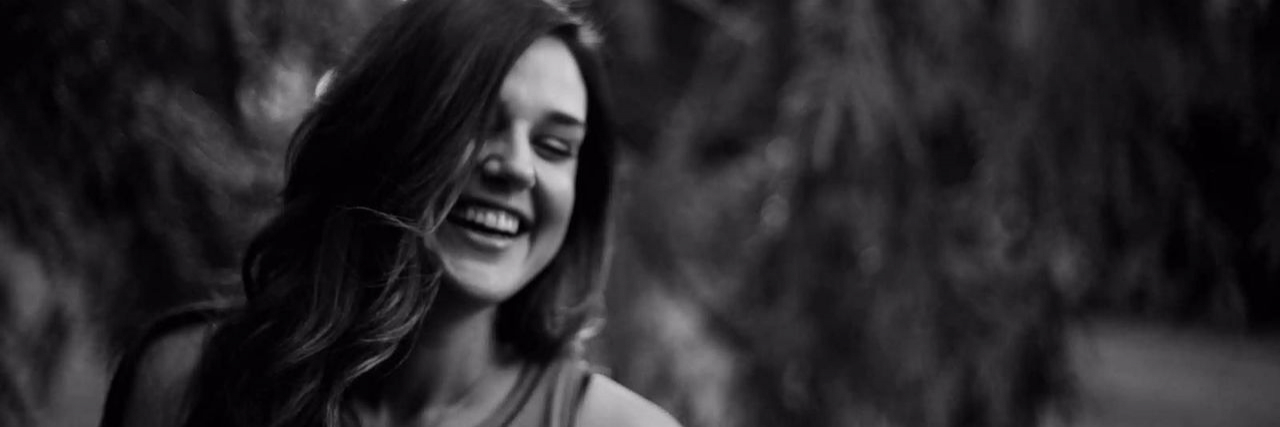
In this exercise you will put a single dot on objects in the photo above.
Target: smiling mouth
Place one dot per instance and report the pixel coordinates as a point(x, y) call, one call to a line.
point(488, 219)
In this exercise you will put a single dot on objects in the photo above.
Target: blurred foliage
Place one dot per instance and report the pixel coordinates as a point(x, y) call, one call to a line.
point(831, 212)
point(140, 145)
point(884, 212)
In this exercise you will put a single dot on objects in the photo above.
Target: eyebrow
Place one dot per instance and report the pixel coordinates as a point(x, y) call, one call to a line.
point(564, 119)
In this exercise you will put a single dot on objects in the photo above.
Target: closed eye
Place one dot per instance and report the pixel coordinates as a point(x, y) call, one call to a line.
point(555, 147)
point(560, 135)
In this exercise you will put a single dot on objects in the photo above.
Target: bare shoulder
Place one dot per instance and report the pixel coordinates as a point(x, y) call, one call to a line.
point(607, 403)
point(164, 373)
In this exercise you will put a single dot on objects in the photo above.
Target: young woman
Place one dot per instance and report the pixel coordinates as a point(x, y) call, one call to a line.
point(439, 249)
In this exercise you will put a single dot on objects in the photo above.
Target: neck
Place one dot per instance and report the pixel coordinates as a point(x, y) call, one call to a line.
point(455, 363)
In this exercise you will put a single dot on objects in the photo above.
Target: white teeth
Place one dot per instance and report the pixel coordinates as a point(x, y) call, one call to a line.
point(493, 219)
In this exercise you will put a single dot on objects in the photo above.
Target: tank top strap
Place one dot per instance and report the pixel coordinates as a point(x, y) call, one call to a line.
point(573, 377)
point(545, 395)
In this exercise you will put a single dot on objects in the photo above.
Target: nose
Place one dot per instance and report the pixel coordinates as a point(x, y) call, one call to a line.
point(507, 160)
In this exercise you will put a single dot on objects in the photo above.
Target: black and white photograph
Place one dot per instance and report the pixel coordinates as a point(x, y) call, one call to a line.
point(639, 213)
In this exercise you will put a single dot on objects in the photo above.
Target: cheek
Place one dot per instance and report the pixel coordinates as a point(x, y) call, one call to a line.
point(560, 195)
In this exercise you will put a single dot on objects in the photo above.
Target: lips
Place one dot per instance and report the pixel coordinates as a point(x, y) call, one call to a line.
point(489, 218)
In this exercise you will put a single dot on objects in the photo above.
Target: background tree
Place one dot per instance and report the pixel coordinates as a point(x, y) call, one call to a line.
point(888, 211)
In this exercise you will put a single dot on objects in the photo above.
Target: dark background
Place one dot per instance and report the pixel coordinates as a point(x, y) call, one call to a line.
point(831, 212)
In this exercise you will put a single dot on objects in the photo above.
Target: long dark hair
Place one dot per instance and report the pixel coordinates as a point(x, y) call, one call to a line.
point(338, 282)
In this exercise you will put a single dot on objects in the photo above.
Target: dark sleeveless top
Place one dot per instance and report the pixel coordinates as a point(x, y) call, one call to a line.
point(545, 395)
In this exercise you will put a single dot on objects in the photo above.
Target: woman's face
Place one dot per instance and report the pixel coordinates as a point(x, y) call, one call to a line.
point(513, 214)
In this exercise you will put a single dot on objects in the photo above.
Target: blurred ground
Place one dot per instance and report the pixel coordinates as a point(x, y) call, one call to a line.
point(1134, 374)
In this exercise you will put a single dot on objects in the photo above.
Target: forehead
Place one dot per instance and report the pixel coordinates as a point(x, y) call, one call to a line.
point(546, 79)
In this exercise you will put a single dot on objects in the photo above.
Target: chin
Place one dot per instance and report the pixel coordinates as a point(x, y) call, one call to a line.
point(493, 290)
point(489, 267)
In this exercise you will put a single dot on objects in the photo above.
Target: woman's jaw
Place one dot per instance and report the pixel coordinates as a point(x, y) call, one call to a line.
point(513, 215)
